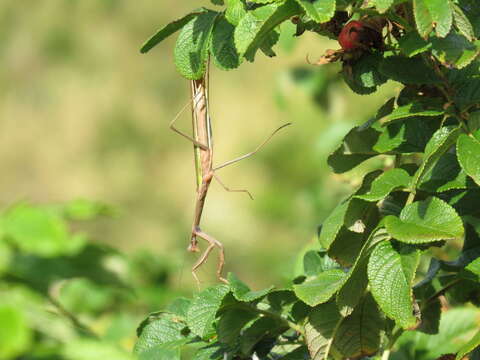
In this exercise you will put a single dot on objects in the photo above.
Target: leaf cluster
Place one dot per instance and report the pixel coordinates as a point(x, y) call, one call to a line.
point(368, 284)
point(56, 282)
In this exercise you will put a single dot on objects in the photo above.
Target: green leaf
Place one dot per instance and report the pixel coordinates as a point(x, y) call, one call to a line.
point(15, 333)
point(386, 183)
point(319, 10)
point(365, 71)
point(363, 75)
point(392, 137)
point(315, 262)
point(465, 202)
point(406, 137)
point(468, 150)
point(445, 175)
point(359, 220)
point(204, 307)
point(412, 44)
point(390, 274)
point(211, 352)
point(265, 1)
point(356, 147)
point(319, 289)
point(312, 263)
point(456, 326)
point(261, 328)
point(469, 347)
point(92, 262)
point(235, 11)
point(471, 245)
point(408, 70)
point(281, 301)
point(382, 5)
point(462, 23)
point(425, 221)
point(358, 335)
point(40, 232)
point(163, 330)
point(433, 14)
point(349, 214)
point(6, 255)
point(471, 9)
point(348, 243)
point(417, 109)
point(455, 51)
point(356, 281)
point(472, 271)
point(232, 322)
point(320, 329)
point(242, 292)
point(431, 314)
point(332, 225)
point(169, 29)
point(442, 140)
point(223, 50)
point(255, 26)
point(474, 121)
point(191, 49)
point(267, 45)
point(179, 307)
point(467, 93)
point(300, 353)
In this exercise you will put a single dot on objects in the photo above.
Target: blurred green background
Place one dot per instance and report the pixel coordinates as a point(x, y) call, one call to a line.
point(85, 116)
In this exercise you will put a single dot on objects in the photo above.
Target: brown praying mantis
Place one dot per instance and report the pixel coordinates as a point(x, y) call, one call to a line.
point(205, 171)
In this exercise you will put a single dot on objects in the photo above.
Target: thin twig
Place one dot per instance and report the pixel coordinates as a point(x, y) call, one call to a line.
point(442, 291)
point(73, 319)
point(275, 316)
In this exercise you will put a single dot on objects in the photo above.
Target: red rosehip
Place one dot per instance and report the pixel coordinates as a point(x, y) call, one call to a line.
point(349, 36)
point(359, 35)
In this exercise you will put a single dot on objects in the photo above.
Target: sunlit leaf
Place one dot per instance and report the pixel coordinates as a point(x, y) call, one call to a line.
point(319, 289)
point(169, 29)
point(191, 49)
point(390, 274)
point(468, 150)
point(204, 307)
point(425, 221)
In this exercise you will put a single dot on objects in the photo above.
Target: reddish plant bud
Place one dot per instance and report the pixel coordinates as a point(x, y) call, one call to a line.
point(359, 35)
point(349, 36)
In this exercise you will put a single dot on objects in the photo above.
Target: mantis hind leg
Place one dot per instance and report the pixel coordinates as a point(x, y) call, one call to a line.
point(212, 243)
point(231, 190)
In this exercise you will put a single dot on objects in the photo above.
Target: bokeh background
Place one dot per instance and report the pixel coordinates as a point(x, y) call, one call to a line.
point(85, 116)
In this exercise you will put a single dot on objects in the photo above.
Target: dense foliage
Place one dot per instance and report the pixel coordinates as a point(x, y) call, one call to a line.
point(65, 296)
point(378, 281)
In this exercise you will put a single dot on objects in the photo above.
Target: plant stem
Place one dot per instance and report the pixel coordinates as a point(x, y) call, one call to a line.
point(443, 290)
point(411, 198)
point(447, 91)
point(398, 160)
point(386, 354)
point(73, 319)
point(273, 315)
point(391, 342)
